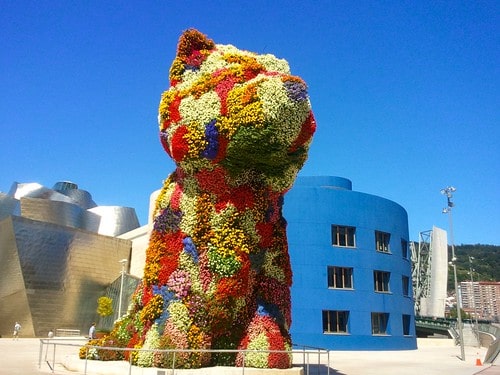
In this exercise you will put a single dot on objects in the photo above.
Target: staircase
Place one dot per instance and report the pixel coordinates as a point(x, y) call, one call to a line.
point(470, 338)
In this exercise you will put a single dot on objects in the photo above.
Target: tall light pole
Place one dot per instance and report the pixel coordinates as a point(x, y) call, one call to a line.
point(447, 210)
point(474, 300)
point(124, 263)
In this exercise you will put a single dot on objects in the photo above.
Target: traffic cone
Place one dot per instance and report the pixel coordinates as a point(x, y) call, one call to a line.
point(478, 360)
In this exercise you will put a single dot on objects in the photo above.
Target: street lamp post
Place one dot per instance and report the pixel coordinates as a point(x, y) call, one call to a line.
point(124, 263)
point(447, 210)
point(474, 300)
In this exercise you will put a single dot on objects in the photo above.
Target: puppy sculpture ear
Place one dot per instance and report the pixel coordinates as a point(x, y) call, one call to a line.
point(192, 49)
point(191, 41)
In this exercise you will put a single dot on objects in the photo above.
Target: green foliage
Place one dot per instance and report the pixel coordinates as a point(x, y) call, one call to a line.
point(485, 265)
point(104, 306)
point(464, 315)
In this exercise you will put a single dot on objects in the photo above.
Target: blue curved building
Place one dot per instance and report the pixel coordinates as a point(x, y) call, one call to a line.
point(351, 268)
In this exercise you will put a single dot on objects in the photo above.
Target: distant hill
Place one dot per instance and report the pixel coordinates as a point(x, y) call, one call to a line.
point(486, 263)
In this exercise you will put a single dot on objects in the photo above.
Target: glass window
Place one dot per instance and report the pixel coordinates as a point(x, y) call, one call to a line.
point(404, 248)
point(343, 236)
point(382, 241)
point(379, 323)
point(335, 321)
point(340, 277)
point(406, 285)
point(406, 324)
point(381, 281)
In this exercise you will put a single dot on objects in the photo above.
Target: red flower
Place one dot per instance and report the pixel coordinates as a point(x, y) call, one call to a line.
point(306, 132)
point(205, 273)
point(173, 113)
point(175, 200)
point(277, 342)
point(237, 285)
point(221, 152)
point(242, 197)
point(265, 231)
point(173, 110)
point(223, 87)
point(131, 344)
point(195, 59)
point(147, 294)
point(213, 182)
point(180, 146)
point(170, 249)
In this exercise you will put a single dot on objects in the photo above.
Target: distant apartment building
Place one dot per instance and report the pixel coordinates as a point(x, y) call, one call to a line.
point(481, 299)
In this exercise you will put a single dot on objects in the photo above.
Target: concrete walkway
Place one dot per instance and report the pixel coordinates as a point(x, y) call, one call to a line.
point(433, 357)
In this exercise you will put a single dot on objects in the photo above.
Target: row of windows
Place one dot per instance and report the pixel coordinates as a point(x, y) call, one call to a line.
point(337, 321)
point(345, 236)
point(342, 278)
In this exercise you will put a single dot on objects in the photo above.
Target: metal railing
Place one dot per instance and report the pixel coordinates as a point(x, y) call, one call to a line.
point(306, 352)
point(65, 332)
point(314, 361)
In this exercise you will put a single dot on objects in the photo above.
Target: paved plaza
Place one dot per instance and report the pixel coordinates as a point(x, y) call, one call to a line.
point(433, 357)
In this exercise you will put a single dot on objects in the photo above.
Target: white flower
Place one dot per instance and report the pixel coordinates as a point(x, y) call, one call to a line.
point(200, 111)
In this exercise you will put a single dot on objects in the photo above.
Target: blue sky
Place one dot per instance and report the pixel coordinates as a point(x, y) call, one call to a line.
point(405, 94)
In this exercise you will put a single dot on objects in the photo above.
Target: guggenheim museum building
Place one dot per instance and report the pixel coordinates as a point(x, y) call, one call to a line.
point(59, 252)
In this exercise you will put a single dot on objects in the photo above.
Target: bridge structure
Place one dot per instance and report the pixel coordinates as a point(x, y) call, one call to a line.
point(430, 273)
point(431, 326)
point(429, 279)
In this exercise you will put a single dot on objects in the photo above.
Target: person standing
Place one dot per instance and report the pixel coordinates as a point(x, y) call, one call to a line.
point(92, 332)
point(17, 328)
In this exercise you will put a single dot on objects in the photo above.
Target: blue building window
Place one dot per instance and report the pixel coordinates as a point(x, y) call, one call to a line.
point(379, 323)
point(343, 236)
point(406, 285)
point(335, 321)
point(381, 281)
point(382, 240)
point(406, 324)
point(340, 277)
point(404, 248)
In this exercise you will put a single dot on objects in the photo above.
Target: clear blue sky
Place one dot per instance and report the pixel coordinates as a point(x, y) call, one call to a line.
point(405, 93)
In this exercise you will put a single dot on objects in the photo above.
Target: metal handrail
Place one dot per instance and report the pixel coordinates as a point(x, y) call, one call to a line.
point(306, 352)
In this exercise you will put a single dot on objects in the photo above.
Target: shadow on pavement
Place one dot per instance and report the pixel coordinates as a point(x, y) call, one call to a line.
point(322, 370)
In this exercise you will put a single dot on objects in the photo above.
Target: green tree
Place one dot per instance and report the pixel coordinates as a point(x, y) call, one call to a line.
point(104, 306)
point(453, 313)
point(485, 264)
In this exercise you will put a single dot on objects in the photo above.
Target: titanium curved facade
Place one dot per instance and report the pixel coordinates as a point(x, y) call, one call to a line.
point(66, 204)
point(58, 254)
point(111, 220)
point(351, 265)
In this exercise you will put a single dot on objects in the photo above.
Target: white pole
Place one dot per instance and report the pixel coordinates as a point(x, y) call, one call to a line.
point(448, 192)
point(474, 301)
point(123, 262)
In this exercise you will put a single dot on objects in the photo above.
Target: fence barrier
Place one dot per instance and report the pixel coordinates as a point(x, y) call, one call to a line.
point(64, 332)
point(314, 361)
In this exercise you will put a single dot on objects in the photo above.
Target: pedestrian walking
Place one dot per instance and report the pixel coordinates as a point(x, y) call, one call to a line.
point(17, 328)
point(92, 332)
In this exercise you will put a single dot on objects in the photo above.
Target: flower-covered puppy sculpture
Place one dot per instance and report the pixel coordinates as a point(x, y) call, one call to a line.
point(217, 273)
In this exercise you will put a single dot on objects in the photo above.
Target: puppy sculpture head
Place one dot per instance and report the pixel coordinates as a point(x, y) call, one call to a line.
point(237, 110)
